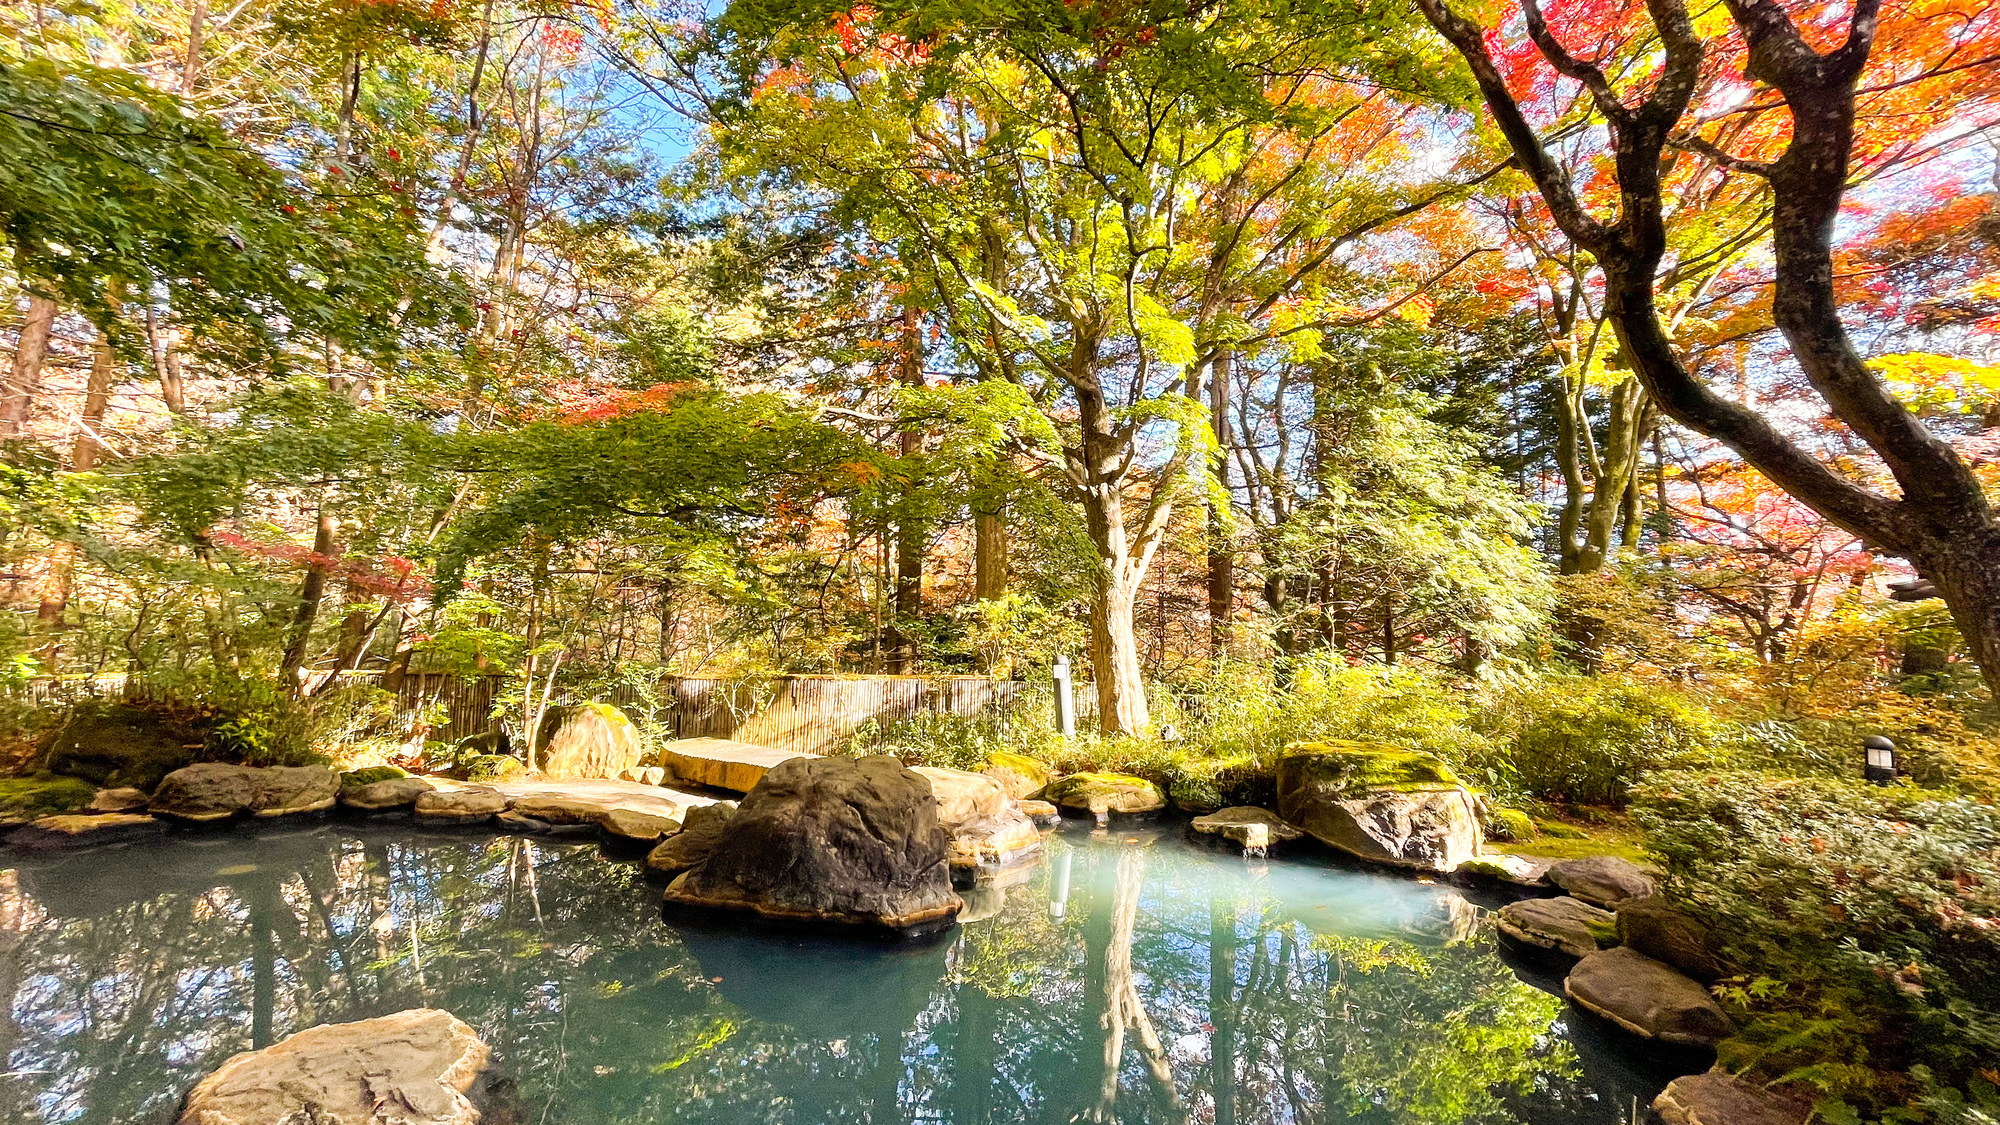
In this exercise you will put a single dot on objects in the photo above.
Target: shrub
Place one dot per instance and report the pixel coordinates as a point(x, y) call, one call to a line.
point(1587, 739)
point(1867, 920)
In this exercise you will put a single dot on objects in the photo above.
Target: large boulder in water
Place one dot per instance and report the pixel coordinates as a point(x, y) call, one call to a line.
point(844, 841)
point(1379, 803)
point(988, 830)
point(210, 791)
point(589, 740)
point(411, 1068)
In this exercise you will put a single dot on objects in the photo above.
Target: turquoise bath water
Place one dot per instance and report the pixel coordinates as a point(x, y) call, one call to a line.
point(1133, 977)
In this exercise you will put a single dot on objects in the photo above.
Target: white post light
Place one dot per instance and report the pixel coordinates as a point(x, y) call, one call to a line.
point(1065, 698)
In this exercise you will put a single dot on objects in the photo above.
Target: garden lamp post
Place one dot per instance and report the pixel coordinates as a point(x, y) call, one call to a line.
point(1881, 765)
point(1065, 698)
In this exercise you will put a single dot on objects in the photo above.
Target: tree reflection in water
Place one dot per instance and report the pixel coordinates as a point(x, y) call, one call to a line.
point(1132, 978)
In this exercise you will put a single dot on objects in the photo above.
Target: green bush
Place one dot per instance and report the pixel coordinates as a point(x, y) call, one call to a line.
point(1866, 921)
point(1587, 740)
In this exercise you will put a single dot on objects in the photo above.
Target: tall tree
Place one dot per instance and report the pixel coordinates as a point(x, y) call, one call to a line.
point(1941, 518)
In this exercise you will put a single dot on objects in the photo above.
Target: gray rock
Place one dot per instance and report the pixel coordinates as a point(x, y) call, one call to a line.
point(1503, 867)
point(988, 832)
point(411, 1068)
point(212, 791)
point(61, 833)
point(700, 831)
point(1254, 830)
point(1669, 934)
point(1718, 1098)
point(980, 849)
point(470, 804)
point(124, 800)
point(384, 796)
point(1379, 804)
point(1101, 794)
point(1602, 880)
point(1563, 925)
point(636, 829)
point(844, 841)
point(1042, 813)
point(1647, 998)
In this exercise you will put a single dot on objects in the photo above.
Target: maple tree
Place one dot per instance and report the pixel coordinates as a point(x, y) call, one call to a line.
point(1942, 520)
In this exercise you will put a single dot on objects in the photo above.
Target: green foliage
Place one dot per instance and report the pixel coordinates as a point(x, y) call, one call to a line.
point(1588, 739)
point(106, 181)
point(1870, 915)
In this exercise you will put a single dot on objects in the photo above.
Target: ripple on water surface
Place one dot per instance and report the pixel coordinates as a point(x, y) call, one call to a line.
point(1133, 977)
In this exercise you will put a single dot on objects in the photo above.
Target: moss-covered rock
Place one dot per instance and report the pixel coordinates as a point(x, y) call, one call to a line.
point(1021, 776)
point(1509, 824)
point(117, 744)
point(494, 767)
point(1343, 765)
point(589, 740)
point(1098, 793)
point(1379, 803)
point(1560, 831)
point(28, 799)
point(369, 775)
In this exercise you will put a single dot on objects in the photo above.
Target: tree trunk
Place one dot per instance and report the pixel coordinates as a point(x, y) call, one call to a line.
point(63, 558)
point(911, 535)
point(311, 590)
point(24, 379)
point(1942, 520)
point(1114, 645)
point(989, 546)
point(1221, 552)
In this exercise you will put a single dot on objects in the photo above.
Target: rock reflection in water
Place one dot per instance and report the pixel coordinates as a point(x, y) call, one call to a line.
point(1130, 978)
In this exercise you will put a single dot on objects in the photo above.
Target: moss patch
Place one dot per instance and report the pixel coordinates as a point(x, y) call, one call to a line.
point(1510, 824)
point(494, 767)
point(370, 775)
point(1114, 792)
point(1342, 766)
point(1036, 772)
point(26, 799)
point(1620, 838)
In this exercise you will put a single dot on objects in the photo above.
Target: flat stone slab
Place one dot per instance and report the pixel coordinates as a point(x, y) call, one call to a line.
point(60, 833)
point(1252, 829)
point(1647, 998)
point(1505, 867)
point(1716, 1098)
point(1603, 880)
point(590, 799)
point(1562, 925)
point(722, 763)
point(411, 1068)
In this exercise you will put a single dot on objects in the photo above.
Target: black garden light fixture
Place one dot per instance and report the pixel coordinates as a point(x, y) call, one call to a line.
point(1881, 759)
